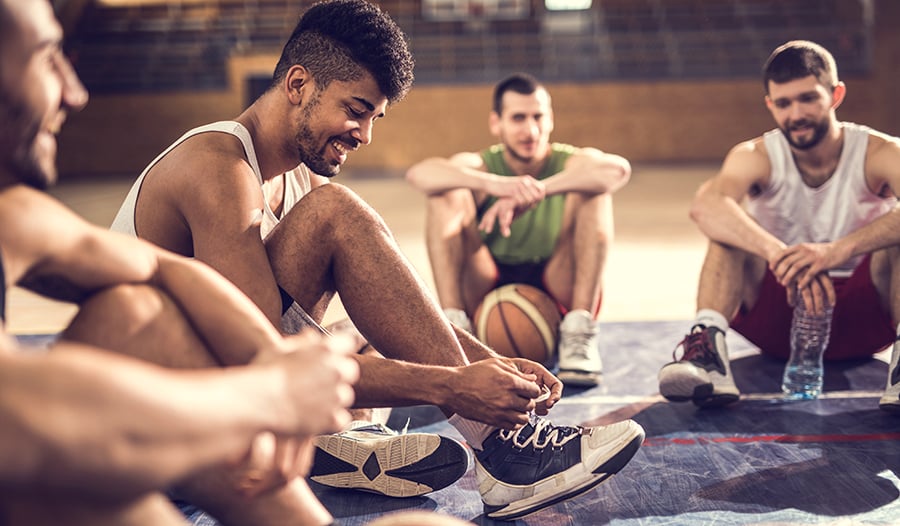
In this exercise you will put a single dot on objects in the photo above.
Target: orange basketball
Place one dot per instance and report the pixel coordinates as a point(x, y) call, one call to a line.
point(519, 321)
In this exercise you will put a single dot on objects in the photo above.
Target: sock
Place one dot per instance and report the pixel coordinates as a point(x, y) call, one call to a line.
point(474, 432)
point(711, 318)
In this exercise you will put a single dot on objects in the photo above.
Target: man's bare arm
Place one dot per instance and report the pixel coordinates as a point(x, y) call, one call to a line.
point(130, 427)
point(717, 205)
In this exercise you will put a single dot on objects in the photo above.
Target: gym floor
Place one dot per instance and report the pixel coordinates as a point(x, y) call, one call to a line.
point(763, 461)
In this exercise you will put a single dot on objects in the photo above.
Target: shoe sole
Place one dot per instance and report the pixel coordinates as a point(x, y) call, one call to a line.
point(704, 396)
point(397, 466)
point(606, 470)
point(579, 378)
point(890, 407)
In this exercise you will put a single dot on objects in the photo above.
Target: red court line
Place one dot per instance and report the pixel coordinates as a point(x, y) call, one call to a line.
point(790, 439)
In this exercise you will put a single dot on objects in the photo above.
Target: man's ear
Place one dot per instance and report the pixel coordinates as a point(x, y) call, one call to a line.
point(296, 82)
point(838, 94)
point(494, 123)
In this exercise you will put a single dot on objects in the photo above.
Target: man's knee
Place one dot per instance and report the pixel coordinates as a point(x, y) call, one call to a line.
point(127, 307)
point(142, 321)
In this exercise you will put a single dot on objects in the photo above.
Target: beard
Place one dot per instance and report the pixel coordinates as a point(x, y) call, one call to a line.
point(313, 158)
point(19, 140)
point(819, 129)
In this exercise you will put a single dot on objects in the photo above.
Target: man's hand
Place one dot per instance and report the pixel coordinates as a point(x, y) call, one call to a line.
point(544, 378)
point(315, 388)
point(817, 296)
point(502, 213)
point(524, 190)
point(494, 391)
point(801, 263)
point(272, 463)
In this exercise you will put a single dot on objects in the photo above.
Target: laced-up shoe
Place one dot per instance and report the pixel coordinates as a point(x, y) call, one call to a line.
point(579, 355)
point(459, 318)
point(890, 400)
point(377, 459)
point(523, 471)
point(703, 373)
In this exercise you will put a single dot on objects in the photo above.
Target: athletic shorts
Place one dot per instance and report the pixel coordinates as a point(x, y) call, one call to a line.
point(860, 327)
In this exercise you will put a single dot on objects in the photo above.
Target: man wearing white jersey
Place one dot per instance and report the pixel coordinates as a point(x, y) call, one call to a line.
point(214, 196)
point(806, 212)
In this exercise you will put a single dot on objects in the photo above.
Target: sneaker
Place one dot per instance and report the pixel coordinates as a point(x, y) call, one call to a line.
point(524, 471)
point(459, 318)
point(703, 374)
point(579, 355)
point(890, 400)
point(377, 459)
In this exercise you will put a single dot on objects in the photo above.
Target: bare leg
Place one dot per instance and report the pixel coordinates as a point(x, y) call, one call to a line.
point(730, 278)
point(463, 269)
point(574, 275)
point(142, 322)
point(333, 241)
point(885, 270)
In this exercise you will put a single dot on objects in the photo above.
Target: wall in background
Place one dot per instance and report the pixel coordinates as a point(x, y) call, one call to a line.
point(694, 121)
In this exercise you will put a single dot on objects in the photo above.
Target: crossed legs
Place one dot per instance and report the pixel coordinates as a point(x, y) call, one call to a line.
point(145, 323)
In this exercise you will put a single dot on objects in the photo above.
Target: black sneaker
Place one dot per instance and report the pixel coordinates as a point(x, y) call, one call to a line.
point(703, 373)
point(523, 471)
point(374, 458)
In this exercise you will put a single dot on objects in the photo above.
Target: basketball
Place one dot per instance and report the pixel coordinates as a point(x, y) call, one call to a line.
point(519, 321)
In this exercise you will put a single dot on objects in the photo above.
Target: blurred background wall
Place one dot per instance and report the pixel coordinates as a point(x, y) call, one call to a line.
point(653, 80)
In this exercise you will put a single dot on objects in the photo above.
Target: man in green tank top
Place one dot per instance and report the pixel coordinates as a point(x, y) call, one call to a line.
point(524, 210)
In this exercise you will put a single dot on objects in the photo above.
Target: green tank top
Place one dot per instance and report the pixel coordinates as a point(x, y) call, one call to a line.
point(533, 234)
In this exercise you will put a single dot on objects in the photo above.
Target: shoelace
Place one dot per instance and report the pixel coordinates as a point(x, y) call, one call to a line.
point(695, 346)
point(582, 342)
point(545, 434)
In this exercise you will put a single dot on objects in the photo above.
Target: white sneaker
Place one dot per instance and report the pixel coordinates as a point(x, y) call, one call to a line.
point(540, 464)
point(459, 318)
point(890, 400)
point(579, 355)
point(377, 459)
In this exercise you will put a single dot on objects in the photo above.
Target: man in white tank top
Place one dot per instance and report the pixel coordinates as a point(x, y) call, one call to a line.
point(806, 212)
point(202, 199)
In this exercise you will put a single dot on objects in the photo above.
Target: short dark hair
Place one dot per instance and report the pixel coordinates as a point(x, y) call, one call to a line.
point(340, 39)
point(521, 83)
point(798, 59)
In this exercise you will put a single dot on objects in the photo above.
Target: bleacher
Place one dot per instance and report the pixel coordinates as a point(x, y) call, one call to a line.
point(185, 44)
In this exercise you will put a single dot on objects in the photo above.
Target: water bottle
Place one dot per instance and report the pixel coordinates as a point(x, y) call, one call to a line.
point(809, 337)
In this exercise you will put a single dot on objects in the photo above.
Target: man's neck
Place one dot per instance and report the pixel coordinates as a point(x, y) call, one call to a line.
point(817, 164)
point(264, 122)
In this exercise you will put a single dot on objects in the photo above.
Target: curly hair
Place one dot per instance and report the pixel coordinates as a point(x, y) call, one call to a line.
point(341, 39)
point(798, 59)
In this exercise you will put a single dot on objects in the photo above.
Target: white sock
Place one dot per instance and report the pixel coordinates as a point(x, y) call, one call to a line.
point(474, 432)
point(711, 318)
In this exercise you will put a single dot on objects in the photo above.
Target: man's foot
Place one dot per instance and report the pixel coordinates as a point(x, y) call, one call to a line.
point(890, 400)
point(521, 472)
point(703, 374)
point(579, 355)
point(377, 459)
point(459, 318)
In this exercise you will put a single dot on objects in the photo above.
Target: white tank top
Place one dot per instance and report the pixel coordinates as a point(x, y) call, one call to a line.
point(296, 185)
point(796, 213)
point(296, 182)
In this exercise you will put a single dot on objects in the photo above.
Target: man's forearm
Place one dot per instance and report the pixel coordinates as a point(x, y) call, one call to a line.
point(127, 426)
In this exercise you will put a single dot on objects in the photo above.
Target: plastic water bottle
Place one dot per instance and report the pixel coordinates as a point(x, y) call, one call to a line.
point(809, 337)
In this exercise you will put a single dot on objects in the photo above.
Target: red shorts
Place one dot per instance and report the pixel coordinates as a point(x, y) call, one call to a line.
point(860, 326)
